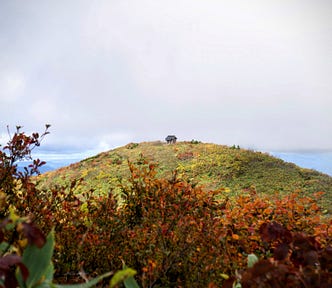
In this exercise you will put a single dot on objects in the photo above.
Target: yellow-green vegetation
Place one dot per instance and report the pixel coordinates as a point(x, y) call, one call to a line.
point(209, 165)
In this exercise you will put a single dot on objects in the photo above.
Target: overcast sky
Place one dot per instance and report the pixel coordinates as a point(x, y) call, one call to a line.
point(105, 73)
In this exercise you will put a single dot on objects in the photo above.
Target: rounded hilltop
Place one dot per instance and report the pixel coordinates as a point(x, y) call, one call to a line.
point(209, 165)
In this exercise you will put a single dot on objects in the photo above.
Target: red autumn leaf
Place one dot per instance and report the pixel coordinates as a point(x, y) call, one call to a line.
point(281, 251)
point(34, 235)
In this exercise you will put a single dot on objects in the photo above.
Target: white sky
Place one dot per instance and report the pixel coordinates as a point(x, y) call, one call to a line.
point(104, 73)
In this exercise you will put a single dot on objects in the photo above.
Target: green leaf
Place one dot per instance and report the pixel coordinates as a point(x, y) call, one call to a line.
point(252, 259)
point(47, 279)
point(49, 272)
point(126, 275)
point(89, 284)
point(3, 246)
point(130, 282)
point(38, 262)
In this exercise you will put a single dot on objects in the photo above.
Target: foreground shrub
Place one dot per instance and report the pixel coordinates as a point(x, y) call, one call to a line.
point(173, 234)
point(18, 148)
point(26, 259)
point(25, 253)
point(298, 260)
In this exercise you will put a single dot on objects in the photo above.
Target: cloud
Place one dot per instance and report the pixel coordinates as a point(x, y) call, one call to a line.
point(103, 74)
point(12, 85)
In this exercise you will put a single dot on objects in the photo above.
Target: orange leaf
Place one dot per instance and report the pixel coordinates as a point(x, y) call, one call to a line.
point(235, 237)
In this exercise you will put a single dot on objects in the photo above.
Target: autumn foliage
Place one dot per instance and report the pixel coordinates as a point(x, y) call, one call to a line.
point(175, 234)
point(298, 260)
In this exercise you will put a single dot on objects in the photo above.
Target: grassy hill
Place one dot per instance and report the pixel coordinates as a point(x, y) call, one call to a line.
point(209, 165)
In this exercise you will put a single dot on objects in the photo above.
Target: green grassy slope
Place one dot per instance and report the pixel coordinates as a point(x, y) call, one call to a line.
point(210, 165)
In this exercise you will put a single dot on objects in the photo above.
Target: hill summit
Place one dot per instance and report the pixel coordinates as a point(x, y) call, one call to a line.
point(209, 165)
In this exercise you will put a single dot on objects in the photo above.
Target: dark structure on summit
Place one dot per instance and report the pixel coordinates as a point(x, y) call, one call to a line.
point(171, 139)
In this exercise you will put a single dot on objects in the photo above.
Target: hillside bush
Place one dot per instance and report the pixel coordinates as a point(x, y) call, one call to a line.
point(212, 166)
